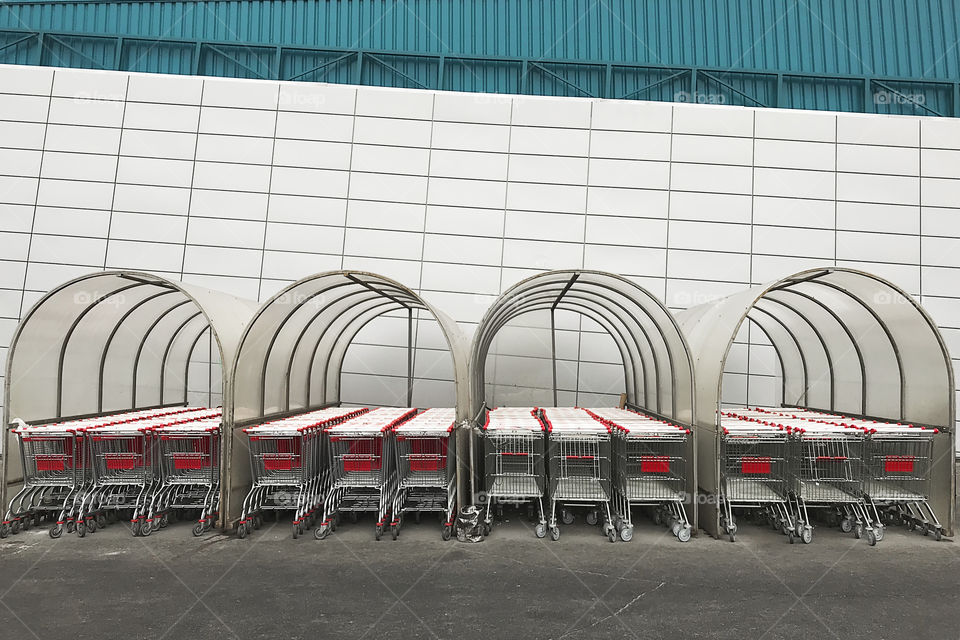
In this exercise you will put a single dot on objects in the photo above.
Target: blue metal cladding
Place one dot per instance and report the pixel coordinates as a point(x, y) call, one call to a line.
point(887, 56)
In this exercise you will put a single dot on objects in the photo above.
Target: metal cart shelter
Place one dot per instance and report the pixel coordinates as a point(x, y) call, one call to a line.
point(657, 366)
point(115, 341)
point(846, 342)
point(291, 356)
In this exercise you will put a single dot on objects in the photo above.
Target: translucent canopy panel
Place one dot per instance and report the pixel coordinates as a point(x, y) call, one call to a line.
point(658, 370)
point(292, 354)
point(114, 341)
point(846, 341)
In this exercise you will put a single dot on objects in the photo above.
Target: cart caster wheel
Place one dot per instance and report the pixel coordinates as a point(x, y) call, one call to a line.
point(880, 531)
point(567, 517)
point(540, 530)
point(555, 533)
point(684, 534)
point(26, 522)
point(872, 538)
point(806, 535)
point(911, 525)
point(732, 532)
point(446, 533)
point(394, 531)
point(15, 527)
point(791, 536)
point(71, 527)
point(626, 534)
point(81, 529)
point(937, 535)
point(4, 531)
point(56, 531)
point(612, 535)
point(164, 521)
point(91, 525)
point(846, 525)
point(296, 531)
point(146, 529)
point(592, 518)
point(485, 530)
point(242, 530)
point(102, 521)
point(134, 528)
point(926, 530)
point(257, 522)
point(378, 532)
point(321, 532)
point(675, 529)
point(198, 529)
point(858, 531)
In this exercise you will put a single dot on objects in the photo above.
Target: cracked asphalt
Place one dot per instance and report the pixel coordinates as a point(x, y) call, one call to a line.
point(172, 585)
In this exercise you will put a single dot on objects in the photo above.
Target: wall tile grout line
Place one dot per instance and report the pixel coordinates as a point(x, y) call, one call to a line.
point(266, 213)
point(346, 211)
point(116, 175)
point(36, 198)
point(193, 176)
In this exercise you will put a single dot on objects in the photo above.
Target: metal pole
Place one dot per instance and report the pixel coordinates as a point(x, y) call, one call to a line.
point(553, 354)
point(409, 357)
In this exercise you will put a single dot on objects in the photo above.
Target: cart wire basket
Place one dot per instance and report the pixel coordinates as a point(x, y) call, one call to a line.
point(426, 463)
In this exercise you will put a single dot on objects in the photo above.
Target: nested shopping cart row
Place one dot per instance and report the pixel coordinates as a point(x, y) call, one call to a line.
point(341, 461)
point(605, 461)
point(80, 474)
point(863, 474)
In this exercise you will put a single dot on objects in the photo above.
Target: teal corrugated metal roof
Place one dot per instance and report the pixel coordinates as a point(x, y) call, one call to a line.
point(903, 39)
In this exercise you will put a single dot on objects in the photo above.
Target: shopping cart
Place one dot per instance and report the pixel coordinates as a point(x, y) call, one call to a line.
point(53, 471)
point(425, 468)
point(287, 467)
point(362, 468)
point(514, 464)
point(190, 463)
point(897, 475)
point(649, 468)
point(578, 469)
point(754, 474)
point(57, 470)
point(826, 471)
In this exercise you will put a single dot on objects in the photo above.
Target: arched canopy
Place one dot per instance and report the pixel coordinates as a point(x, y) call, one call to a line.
point(291, 356)
point(658, 371)
point(847, 342)
point(113, 341)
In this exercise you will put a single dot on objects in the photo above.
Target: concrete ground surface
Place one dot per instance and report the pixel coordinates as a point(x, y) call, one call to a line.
point(513, 585)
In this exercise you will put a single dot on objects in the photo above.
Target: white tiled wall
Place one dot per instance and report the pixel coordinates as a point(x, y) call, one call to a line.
point(247, 185)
